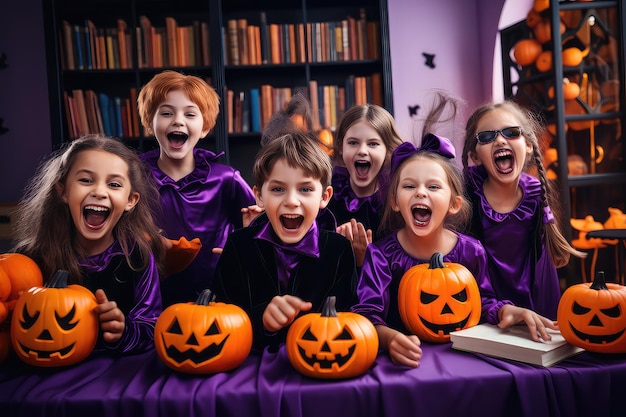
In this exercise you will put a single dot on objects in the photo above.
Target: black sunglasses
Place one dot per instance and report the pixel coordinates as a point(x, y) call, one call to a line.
point(488, 136)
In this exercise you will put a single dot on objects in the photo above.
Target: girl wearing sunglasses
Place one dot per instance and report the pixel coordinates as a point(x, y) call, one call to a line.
point(513, 210)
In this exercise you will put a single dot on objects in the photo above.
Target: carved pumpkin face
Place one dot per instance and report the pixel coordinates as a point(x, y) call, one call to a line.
point(55, 325)
point(203, 337)
point(332, 345)
point(438, 298)
point(593, 316)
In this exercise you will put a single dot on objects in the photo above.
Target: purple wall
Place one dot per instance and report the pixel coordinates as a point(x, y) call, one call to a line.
point(23, 95)
point(460, 33)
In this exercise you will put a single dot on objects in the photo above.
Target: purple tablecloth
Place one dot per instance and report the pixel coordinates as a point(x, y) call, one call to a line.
point(448, 382)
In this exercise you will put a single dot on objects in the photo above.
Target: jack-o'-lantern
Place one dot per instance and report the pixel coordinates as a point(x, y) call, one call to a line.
point(437, 298)
point(22, 272)
point(55, 325)
point(593, 316)
point(331, 344)
point(204, 337)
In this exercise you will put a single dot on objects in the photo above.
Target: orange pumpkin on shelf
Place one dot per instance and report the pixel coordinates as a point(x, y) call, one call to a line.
point(543, 30)
point(571, 90)
point(526, 51)
point(326, 140)
point(544, 61)
point(572, 57)
point(533, 18)
point(437, 298)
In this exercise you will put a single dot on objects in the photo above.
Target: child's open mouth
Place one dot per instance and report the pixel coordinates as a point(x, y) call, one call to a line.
point(177, 139)
point(503, 159)
point(95, 216)
point(421, 214)
point(291, 221)
point(362, 168)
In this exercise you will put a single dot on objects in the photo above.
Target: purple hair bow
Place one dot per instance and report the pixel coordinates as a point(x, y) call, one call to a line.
point(430, 143)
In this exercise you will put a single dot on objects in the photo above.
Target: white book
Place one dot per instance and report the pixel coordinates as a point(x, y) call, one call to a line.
point(513, 343)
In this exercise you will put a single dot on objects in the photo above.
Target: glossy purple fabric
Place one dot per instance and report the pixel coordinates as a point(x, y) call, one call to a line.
point(205, 204)
point(386, 262)
point(508, 240)
point(345, 204)
point(288, 255)
point(447, 383)
point(137, 294)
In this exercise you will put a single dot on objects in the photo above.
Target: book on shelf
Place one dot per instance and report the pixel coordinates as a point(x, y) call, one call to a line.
point(83, 121)
point(233, 42)
point(173, 40)
point(265, 39)
point(68, 45)
point(255, 110)
point(123, 42)
point(206, 56)
point(242, 41)
point(513, 343)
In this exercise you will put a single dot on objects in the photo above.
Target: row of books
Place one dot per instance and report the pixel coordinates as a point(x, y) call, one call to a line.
point(85, 46)
point(350, 39)
point(90, 112)
point(251, 110)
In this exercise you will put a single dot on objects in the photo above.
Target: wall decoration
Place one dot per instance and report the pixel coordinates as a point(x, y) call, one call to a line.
point(413, 110)
point(429, 60)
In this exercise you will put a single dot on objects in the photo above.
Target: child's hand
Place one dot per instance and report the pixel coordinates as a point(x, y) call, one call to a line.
point(403, 349)
point(282, 311)
point(111, 318)
point(510, 315)
point(359, 237)
point(217, 251)
point(250, 213)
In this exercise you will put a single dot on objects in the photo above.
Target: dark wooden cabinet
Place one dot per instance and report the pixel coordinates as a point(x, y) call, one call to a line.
point(87, 66)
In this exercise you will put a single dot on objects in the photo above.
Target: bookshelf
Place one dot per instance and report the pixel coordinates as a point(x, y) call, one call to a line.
point(101, 53)
point(584, 149)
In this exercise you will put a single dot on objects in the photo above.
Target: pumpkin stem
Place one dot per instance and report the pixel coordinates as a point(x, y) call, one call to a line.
point(59, 279)
point(436, 261)
point(206, 297)
point(329, 309)
point(599, 283)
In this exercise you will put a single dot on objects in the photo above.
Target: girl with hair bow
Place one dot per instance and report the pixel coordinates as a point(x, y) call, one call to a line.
point(425, 207)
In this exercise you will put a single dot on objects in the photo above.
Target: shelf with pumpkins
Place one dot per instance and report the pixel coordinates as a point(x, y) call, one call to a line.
point(565, 61)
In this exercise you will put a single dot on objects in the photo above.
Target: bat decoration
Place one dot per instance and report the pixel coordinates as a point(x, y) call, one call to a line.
point(413, 110)
point(430, 59)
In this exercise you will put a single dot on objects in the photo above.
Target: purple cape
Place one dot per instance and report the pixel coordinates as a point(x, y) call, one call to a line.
point(206, 204)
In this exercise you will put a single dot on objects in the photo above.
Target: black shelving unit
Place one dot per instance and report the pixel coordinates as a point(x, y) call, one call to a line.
point(238, 148)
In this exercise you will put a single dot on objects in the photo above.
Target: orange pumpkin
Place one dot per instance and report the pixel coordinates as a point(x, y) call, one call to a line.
point(533, 18)
point(55, 325)
point(570, 90)
point(204, 337)
point(22, 272)
point(326, 140)
point(526, 51)
point(593, 316)
point(543, 30)
point(331, 345)
point(544, 61)
point(437, 298)
point(572, 57)
point(540, 5)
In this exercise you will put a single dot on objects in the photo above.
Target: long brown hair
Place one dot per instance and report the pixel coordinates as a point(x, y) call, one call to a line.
point(45, 230)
